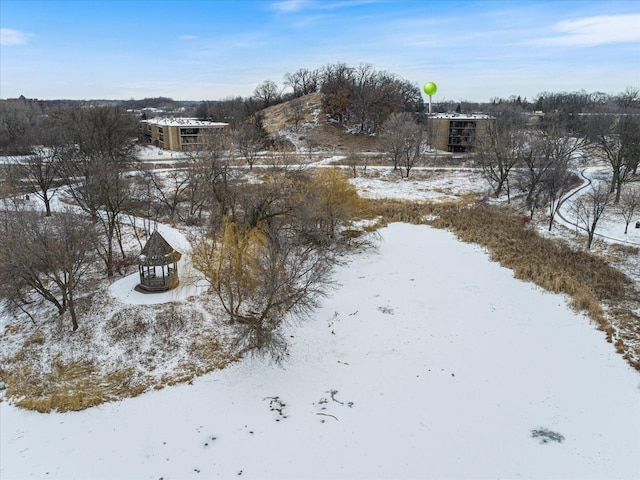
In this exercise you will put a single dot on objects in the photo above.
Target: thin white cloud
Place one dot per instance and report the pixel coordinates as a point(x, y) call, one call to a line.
point(289, 6)
point(9, 36)
point(188, 38)
point(344, 4)
point(592, 31)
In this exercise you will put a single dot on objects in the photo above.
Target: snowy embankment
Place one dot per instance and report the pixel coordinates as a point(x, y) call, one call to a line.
point(429, 361)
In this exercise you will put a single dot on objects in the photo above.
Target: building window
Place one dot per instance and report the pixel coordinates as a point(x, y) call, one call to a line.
point(461, 135)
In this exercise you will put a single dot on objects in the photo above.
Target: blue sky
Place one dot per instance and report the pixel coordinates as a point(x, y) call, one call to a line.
point(195, 50)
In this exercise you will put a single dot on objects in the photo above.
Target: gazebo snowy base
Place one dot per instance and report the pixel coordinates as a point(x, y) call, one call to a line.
point(154, 285)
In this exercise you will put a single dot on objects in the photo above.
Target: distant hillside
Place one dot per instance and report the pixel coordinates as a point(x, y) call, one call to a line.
point(302, 122)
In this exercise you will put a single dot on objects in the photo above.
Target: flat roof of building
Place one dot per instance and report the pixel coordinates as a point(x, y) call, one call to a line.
point(184, 122)
point(462, 116)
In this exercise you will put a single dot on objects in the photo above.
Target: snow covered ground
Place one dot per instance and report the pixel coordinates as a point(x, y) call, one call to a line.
point(432, 184)
point(150, 153)
point(428, 361)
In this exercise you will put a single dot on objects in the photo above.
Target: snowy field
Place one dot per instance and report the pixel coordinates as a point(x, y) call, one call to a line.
point(428, 361)
point(433, 184)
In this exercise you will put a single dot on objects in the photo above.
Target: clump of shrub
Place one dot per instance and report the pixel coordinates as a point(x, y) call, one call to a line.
point(270, 259)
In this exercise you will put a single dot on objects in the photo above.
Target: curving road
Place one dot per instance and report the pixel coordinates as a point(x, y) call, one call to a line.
point(565, 205)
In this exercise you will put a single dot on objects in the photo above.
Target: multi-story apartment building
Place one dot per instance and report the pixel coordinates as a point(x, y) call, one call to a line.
point(179, 134)
point(454, 132)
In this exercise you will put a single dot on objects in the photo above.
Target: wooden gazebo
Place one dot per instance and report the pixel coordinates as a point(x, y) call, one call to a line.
point(158, 265)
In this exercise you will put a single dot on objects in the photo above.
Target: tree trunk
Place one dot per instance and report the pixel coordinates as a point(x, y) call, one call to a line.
point(47, 205)
point(498, 190)
point(614, 180)
point(72, 311)
point(616, 200)
point(590, 235)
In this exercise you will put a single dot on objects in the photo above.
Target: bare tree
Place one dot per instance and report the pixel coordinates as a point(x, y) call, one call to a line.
point(375, 95)
point(18, 120)
point(329, 201)
point(263, 279)
point(629, 205)
point(336, 87)
point(356, 160)
point(398, 136)
point(231, 110)
point(309, 143)
point(363, 95)
point(364, 98)
point(280, 157)
point(589, 209)
point(37, 174)
point(556, 184)
point(208, 174)
point(629, 100)
point(270, 260)
point(391, 137)
point(630, 140)
point(546, 155)
point(249, 141)
point(94, 165)
point(116, 197)
point(616, 139)
point(169, 190)
point(47, 257)
point(413, 149)
point(302, 81)
point(295, 111)
point(267, 93)
point(499, 148)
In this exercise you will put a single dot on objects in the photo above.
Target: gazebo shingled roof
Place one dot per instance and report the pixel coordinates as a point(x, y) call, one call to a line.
point(157, 251)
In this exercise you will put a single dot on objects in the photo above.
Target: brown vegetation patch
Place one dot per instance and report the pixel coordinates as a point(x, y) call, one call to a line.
point(67, 386)
point(44, 369)
point(280, 116)
point(324, 135)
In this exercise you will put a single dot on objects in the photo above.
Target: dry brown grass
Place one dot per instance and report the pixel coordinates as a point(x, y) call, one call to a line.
point(36, 338)
point(208, 349)
point(79, 385)
point(391, 210)
point(624, 249)
point(324, 135)
point(67, 386)
point(280, 116)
